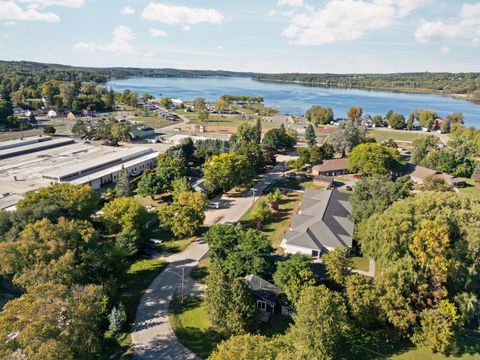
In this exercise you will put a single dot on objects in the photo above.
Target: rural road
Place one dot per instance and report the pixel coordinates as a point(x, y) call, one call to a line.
point(152, 337)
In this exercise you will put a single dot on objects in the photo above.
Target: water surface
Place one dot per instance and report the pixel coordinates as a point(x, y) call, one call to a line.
point(296, 99)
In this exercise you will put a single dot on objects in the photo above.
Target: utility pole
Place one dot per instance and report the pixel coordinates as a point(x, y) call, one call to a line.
point(253, 200)
point(183, 283)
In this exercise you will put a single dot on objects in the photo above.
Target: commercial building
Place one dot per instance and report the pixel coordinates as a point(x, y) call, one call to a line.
point(33, 164)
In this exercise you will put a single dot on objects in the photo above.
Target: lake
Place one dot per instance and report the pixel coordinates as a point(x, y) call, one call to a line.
point(296, 99)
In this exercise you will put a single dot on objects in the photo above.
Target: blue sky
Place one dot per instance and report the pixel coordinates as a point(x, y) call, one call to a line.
point(341, 36)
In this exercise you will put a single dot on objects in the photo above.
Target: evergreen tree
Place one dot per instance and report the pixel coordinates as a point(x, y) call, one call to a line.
point(122, 188)
point(258, 130)
point(217, 297)
point(310, 135)
point(241, 308)
point(117, 318)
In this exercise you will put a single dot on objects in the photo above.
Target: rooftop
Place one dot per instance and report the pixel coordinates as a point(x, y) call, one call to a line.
point(332, 165)
point(322, 221)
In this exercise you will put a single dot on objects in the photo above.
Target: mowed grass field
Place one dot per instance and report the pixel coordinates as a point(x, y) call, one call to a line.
point(397, 135)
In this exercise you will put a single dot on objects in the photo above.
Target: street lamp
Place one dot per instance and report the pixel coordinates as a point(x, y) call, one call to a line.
point(253, 200)
point(182, 284)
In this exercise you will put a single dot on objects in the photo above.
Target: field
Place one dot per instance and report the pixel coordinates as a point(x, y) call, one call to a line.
point(397, 135)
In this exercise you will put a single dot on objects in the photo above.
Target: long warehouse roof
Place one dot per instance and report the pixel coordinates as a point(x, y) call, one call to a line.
point(22, 142)
point(37, 146)
point(105, 172)
point(68, 171)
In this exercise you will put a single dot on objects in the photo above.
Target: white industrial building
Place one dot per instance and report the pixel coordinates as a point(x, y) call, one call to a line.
point(30, 164)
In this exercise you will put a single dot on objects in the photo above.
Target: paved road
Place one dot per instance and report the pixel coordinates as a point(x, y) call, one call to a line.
point(152, 337)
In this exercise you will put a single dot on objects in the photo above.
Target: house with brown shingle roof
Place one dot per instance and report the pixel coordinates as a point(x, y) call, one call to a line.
point(332, 167)
point(418, 174)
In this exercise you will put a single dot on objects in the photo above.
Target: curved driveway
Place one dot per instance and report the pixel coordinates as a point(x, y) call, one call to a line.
point(152, 337)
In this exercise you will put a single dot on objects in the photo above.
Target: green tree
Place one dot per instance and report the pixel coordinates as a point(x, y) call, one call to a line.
point(293, 275)
point(169, 169)
point(397, 121)
point(185, 215)
point(180, 185)
point(217, 297)
point(66, 252)
point(319, 324)
point(117, 319)
point(52, 321)
point(80, 129)
point(246, 347)
point(438, 327)
point(261, 214)
point(77, 201)
point(241, 308)
point(226, 171)
point(374, 194)
point(347, 135)
point(150, 184)
point(427, 118)
point(310, 135)
point(363, 301)
point(378, 121)
point(166, 102)
point(120, 131)
point(124, 214)
point(338, 265)
point(319, 115)
point(373, 158)
point(279, 139)
point(423, 146)
point(434, 183)
point(122, 187)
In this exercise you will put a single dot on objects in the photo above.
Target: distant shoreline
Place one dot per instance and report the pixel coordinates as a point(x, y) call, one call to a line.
point(475, 100)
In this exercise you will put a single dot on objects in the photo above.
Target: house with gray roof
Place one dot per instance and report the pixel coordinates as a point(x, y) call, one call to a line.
point(321, 224)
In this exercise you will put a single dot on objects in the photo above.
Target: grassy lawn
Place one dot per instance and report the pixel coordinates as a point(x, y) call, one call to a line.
point(169, 244)
point(369, 345)
point(190, 323)
point(472, 188)
point(154, 121)
point(361, 262)
point(397, 135)
point(276, 228)
point(138, 277)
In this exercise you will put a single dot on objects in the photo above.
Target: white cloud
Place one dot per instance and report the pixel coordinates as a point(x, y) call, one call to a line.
point(148, 55)
point(187, 28)
point(40, 4)
point(127, 10)
point(9, 23)
point(9, 10)
point(157, 33)
point(466, 26)
point(219, 47)
point(170, 14)
point(120, 43)
point(272, 13)
point(293, 3)
point(444, 49)
point(345, 20)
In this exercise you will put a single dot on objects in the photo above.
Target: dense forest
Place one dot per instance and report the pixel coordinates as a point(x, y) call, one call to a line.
point(467, 84)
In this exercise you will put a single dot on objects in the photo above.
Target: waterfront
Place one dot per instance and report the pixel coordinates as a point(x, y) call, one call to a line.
point(295, 98)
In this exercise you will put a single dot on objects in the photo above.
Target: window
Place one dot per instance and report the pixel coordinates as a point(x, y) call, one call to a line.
point(262, 305)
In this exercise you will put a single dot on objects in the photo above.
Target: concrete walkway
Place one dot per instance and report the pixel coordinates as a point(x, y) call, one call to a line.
point(371, 269)
point(152, 337)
